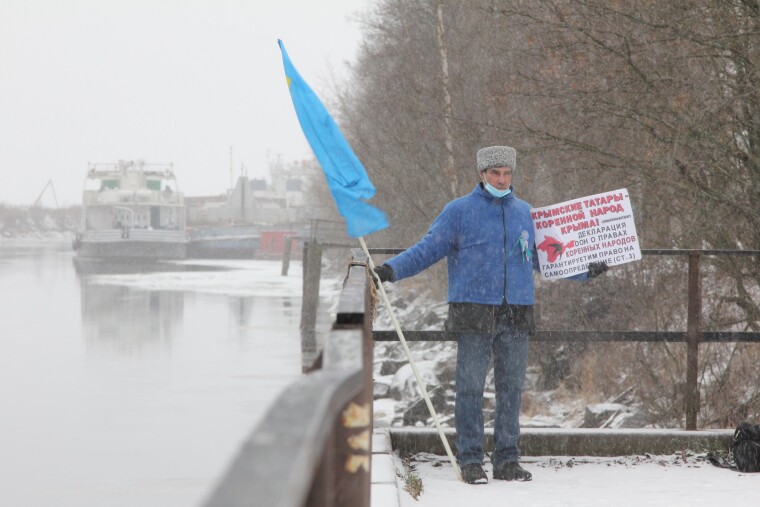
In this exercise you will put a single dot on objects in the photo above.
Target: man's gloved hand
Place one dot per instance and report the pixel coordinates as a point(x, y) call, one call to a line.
point(597, 268)
point(384, 272)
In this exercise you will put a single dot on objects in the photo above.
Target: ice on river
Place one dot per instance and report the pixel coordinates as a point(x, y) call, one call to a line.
point(229, 277)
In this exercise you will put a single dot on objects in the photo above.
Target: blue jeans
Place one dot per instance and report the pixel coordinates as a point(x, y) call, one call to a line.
point(510, 351)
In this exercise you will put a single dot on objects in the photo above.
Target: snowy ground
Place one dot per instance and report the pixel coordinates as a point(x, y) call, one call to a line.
point(590, 481)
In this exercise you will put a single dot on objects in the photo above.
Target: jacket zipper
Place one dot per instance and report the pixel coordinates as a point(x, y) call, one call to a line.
point(504, 224)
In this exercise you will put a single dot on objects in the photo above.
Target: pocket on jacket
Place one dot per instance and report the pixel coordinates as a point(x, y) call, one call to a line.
point(476, 318)
point(520, 316)
point(469, 318)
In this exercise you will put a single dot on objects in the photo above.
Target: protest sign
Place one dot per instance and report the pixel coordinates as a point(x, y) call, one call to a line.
point(597, 228)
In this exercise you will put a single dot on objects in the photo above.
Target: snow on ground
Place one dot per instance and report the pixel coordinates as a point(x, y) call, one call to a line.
point(591, 481)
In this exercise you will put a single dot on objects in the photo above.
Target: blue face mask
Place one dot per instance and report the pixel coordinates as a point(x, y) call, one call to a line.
point(496, 192)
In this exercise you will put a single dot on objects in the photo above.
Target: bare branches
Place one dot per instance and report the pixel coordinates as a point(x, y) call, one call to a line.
point(660, 97)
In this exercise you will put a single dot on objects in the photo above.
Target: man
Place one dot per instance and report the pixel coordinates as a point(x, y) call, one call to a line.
point(487, 237)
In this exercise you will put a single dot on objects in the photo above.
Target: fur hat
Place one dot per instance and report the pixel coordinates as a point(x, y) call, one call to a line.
point(497, 156)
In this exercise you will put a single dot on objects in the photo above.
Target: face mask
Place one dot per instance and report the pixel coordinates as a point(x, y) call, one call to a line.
point(496, 192)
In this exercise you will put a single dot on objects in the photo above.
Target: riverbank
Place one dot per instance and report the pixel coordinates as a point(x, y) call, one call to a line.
point(38, 224)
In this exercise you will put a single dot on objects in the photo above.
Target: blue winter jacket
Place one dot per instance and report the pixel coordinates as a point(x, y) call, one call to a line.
point(481, 236)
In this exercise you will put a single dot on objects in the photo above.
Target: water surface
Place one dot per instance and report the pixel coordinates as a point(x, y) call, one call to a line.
point(134, 388)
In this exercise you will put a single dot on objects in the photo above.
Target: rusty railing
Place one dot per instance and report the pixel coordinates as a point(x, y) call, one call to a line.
point(692, 337)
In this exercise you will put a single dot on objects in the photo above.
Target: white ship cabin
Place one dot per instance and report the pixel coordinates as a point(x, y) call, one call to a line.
point(132, 195)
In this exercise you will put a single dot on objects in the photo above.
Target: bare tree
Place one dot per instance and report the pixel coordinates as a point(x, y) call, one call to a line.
point(662, 98)
point(449, 143)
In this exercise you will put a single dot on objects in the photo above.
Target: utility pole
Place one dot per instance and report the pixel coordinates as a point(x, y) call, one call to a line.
point(231, 171)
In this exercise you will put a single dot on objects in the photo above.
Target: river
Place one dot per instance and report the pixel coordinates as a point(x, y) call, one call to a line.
point(135, 389)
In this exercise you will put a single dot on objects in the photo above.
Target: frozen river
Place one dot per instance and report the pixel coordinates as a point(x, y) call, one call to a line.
point(135, 389)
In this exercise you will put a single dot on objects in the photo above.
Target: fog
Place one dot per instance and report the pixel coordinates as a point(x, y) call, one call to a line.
point(168, 82)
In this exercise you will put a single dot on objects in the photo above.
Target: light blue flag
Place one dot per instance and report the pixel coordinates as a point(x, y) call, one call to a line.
point(345, 174)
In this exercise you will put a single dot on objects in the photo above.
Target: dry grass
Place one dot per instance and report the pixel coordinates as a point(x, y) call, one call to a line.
point(412, 481)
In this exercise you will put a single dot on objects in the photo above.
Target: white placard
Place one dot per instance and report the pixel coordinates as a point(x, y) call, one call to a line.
point(597, 228)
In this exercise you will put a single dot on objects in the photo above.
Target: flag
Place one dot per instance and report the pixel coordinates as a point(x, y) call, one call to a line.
point(346, 177)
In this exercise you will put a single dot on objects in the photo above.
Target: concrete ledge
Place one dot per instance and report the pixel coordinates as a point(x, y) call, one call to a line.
point(575, 442)
point(384, 489)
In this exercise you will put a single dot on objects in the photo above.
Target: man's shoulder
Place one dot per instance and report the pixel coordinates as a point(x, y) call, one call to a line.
point(522, 205)
point(462, 202)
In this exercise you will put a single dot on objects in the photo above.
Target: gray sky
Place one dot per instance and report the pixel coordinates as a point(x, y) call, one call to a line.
point(161, 80)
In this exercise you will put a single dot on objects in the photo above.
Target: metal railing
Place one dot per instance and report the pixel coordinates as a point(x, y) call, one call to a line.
point(313, 447)
point(329, 233)
point(692, 336)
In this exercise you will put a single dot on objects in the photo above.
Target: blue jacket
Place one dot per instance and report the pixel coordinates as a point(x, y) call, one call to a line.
point(488, 263)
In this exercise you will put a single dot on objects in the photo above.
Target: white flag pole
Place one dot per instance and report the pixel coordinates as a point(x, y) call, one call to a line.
point(420, 382)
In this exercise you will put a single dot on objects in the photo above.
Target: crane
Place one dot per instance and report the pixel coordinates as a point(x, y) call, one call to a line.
point(52, 187)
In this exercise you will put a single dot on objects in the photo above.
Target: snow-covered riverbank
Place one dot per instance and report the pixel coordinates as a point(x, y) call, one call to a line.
point(38, 224)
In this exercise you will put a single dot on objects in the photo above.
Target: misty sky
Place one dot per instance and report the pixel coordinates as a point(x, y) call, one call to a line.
point(160, 80)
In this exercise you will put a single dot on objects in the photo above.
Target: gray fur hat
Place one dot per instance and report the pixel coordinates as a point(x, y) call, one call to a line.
point(497, 156)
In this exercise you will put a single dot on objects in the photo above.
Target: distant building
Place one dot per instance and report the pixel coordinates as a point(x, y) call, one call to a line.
point(255, 201)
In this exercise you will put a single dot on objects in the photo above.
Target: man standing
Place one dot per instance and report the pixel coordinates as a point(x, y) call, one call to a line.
point(487, 237)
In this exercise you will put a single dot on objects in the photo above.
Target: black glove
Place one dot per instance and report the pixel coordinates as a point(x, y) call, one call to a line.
point(597, 268)
point(384, 273)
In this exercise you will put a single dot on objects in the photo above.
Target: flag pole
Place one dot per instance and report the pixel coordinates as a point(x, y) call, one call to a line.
point(420, 383)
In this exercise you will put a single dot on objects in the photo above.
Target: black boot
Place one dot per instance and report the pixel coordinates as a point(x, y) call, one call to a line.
point(474, 474)
point(511, 471)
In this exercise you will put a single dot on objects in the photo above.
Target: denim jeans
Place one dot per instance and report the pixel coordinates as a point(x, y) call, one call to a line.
point(510, 352)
